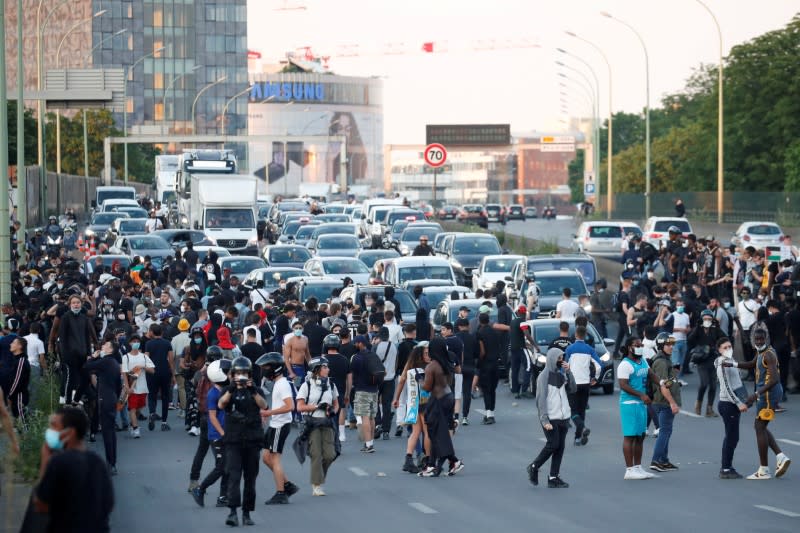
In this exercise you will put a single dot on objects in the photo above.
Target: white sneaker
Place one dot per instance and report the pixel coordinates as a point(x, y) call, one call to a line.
point(633, 473)
point(655, 432)
point(136, 433)
point(62, 400)
point(759, 474)
point(316, 490)
point(647, 475)
point(194, 431)
point(342, 436)
point(783, 465)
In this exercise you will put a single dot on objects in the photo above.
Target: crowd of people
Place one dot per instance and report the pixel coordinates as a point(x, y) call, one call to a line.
point(246, 371)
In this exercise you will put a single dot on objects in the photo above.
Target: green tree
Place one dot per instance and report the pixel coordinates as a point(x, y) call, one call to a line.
point(792, 166)
point(30, 135)
point(575, 171)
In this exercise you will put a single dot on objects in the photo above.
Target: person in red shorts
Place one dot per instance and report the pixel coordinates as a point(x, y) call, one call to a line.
point(134, 366)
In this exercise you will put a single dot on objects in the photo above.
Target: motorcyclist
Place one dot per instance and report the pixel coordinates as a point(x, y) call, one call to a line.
point(53, 230)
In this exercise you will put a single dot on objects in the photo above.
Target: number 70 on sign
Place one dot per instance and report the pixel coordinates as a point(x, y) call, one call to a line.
point(435, 155)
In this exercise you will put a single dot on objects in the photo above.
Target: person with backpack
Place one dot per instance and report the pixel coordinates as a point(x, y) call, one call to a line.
point(666, 401)
point(387, 351)
point(368, 373)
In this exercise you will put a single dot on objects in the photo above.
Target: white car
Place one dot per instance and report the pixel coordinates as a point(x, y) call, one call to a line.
point(398, 271)
point(656, 229)
point(339, 268)
point(758, 235)
point(493, 268)
point(603, 238)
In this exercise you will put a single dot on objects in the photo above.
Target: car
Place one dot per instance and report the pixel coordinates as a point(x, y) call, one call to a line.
point(333, 217)
point(291, 228)
point(116, 203)
point(447, 212)
point(531, 212)
point(496, 213)
point(398, 271)
point(342, 228)
point(410, 237)
point(125, 226)
point(99, 224)
point(530, 265)
point(320, 288)
point(599, 238)
point(397, 229)
point(177, 238)
point(108, 260)
point(474, 214)
point(439, 293)
point(447, 311)
point(133, 212)
point(303, 235)
point(204, 250)
point(427, 210)
point(338, 267)
point(758, 235)
point(370, 256)
point(335, 245)
point(545, 330)
point(438, 243)
point(493, 268)
point(143, 245)
point(465, 251)
point(240, 265)
point(272, 276)
point(402, 213)
point(550, 285)
point(516, 212)
point(656, 229)
point(286, 255)
point(358, 292)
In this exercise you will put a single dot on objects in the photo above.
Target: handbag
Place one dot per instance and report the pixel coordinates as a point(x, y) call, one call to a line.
point(701, 354)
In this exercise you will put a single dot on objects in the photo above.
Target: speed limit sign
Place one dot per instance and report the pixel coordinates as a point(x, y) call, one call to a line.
point(435, 155)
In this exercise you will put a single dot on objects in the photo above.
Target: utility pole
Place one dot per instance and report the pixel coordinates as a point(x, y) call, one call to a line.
point(5, 225)
point(22, 175)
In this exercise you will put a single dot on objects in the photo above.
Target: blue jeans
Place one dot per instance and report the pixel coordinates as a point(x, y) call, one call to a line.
point(665, 418)
point(679, 353)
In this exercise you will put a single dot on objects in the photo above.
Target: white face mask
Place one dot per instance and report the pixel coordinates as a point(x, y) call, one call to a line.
point(638, 350)
point(727, 353)
point(706, 323)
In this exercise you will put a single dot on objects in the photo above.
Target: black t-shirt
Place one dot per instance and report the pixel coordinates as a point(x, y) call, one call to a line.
point(622, 298)
point(158, 350)
point(504, 317)
point(516, 336)
point(338, 367)
point(561, 343)
point(793, 325)
point(471, 351)
point(315, 334)
point(348, 350)
point(491, 344)
point(253, 350)
point(77, 488)
point(403, 351)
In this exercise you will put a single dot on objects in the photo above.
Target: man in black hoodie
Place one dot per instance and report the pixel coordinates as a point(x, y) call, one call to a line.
point(503, 328)
point(76, 337)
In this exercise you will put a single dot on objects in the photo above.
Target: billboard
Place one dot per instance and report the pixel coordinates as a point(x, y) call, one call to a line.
point(468, 134)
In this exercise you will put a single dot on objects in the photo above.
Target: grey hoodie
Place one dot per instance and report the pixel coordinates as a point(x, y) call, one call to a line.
point(552, 387)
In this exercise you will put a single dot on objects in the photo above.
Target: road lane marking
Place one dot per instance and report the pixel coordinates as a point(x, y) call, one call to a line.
point(687, 413)
point(787, 441)
point(777, 510)
point(358, 471)
point(422, 508)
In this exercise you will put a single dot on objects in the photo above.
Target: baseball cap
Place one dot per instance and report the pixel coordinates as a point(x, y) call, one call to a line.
point(361, 339)
point(521, 310)
point(464, 308)
point(484, 309)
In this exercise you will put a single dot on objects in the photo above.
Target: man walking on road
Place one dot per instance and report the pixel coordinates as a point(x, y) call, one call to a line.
point(581, 357)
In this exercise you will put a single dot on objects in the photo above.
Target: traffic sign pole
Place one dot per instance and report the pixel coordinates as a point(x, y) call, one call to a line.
point(435, 156)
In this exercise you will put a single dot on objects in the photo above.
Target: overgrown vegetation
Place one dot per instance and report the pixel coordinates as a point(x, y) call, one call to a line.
point(44, 395)
point(515, 244)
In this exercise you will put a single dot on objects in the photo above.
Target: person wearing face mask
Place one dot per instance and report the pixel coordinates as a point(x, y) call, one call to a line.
point(703, 340)
point(120, 321)
point(296, 354)
point(76, 337)
point(135, 365)
point(677, 323)
point(75, 489)
point(732, 396)
point(103, 365)
point(666, 403)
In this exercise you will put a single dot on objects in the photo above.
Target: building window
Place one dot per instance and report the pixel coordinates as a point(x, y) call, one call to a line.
point(158, 17)
point(158, 110)
point(158, 80)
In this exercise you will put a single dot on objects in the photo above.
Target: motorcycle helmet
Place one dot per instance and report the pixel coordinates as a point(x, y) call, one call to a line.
point(674, 230)
point(317, 363)
point(662, 339)
point(52, 220)
point(216, 373)
point(241, 365)
point(213, 353)
point(331, 341)
point(272, 364)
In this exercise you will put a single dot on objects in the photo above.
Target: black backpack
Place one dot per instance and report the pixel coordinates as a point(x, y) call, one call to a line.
point(376, 372)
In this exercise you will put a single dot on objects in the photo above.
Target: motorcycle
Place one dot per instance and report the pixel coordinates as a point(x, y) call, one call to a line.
point(53, 246)
point(390, 244)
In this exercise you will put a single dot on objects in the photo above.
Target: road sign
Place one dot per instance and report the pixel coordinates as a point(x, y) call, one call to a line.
point(557, 147)
point(558, 139)
point(588, 188)
point(435, 155)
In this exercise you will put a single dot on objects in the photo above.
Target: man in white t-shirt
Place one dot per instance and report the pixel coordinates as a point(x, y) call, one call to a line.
point(36, 352)
point(280, 422)
point(134, 366)
point(152, 224)
point(567, 308)
point(680, 329)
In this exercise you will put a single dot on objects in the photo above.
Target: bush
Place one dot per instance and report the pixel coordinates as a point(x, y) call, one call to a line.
point(44, 397)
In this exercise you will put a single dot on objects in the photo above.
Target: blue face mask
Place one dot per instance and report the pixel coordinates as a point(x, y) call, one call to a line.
point(298, 332)
point(680, 309)
point(198, 340)
point(53, 439)
point(135, 345)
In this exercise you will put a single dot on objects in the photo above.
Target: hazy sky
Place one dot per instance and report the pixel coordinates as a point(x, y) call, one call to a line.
point(509, 85)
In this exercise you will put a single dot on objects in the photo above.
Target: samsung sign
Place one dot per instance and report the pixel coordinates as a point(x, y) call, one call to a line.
point(299, 92)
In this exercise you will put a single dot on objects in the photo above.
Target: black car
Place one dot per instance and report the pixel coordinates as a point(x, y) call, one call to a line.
point(516, 212)
point(474, 214)
point(447, 212)
point(465, 252)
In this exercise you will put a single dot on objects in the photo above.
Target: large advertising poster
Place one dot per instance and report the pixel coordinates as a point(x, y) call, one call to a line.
point(284, 165)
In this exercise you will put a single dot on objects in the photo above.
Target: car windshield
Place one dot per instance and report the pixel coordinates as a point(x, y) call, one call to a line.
point(320, 291)
point(107, 218)
point(304, 232)
point(501, 264)
point(553, 286)
point(243, 265)
point(663, 225)
point(546, 333)
point(585, 267)
point(229, 218)
point(133, 212)
point(424, 272)
point(132, 226)
point(333, 242)
point(272, 277)
point(400, 225)
point(413, 234)
point(370, 257)
point(407, 304)
point(404, 215)
point(434, 297)
point(764, 229)
point(148, 243)
point(344, 266)
point(293, 206)
point(289, 255)
point(492, 208)
point(109, 260)
point(473, 208)
point(344, 229)
point(334, 208)
point(333, 218)
point(605, 232)
point(291, 227)
point(102, 196)
point(632, 230)
point(380, 213)
point(476, 246)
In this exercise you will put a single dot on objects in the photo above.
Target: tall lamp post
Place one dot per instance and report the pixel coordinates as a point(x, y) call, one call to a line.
point(58, 65)
point(647, 111)
point(595, 90)
point(609, 156)
point(720, 132)
point(22, 176)
point(129, 72)
point(196, 98)
point(166, 91)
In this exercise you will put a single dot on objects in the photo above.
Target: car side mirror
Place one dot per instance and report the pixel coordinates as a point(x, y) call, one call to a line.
point(94, 204)
point(506, 251)
point(196, 224)
point(608, 342)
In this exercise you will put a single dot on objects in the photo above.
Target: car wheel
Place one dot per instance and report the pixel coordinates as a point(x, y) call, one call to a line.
point(608, 389)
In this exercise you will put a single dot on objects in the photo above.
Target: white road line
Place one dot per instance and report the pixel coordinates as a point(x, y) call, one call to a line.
point(358, 471)
point(422, 508)
point(687, 413)
point(777, 510)
point(787, 441)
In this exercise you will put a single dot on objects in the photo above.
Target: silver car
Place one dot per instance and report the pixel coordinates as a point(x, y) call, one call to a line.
point(599, 238)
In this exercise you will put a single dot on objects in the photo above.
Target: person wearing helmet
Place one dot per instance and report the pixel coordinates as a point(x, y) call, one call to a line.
point(768, 392)
point(53, 230)
point(241, 401)
point(217, 373)
point(318, 398)
point(666, 404)
point(703, 340)
point(339, 373)
point(280, 422)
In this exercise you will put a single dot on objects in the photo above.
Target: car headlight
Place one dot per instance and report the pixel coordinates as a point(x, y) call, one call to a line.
point(88, 232)
point(253, 242)
point(404, 249)
point(606, 357)
point(488, 284)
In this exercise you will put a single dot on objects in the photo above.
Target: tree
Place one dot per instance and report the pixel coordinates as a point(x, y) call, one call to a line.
point(792, 166)
point(30, 135)
point(575, 181)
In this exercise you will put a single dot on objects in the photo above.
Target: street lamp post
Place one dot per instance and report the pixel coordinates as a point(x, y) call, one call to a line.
point(22, 176)
point(609, 156)
point(130, 70)
point(196, 98)
point(230, 100)
point(720, 131)
point(647, 112)
point(595, 90)
point(169, 86)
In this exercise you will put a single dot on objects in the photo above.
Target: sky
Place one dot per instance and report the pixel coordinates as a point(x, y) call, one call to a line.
point(518, 81)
